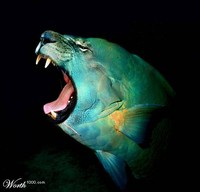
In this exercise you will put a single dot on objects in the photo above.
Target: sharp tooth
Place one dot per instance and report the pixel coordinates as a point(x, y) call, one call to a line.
point(53, 114)
point(48, 61)
point(38, 48)
point(38, 59)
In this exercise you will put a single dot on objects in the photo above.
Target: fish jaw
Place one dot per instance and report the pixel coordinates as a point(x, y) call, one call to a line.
point(58, 110)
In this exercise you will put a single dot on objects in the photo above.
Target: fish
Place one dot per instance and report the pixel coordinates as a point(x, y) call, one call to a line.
point(113, 101)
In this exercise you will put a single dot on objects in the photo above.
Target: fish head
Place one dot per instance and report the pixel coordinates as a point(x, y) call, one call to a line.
point(89, 92)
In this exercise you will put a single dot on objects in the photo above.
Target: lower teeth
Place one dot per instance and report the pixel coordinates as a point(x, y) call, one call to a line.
point(53, 115)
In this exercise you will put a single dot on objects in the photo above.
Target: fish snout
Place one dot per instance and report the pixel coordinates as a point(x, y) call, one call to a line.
point(47, 37)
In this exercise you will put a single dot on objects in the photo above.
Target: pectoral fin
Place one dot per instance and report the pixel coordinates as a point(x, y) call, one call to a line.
point(114, 166)
point(137, 122)
point(110, 108)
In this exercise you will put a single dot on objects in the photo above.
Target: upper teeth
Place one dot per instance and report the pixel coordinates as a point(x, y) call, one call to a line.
point(38, 59)
point(48, 61)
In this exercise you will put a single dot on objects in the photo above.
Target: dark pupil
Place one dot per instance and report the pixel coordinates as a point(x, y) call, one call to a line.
point(82, 47)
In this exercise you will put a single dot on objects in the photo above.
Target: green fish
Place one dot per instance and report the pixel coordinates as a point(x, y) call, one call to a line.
point(113, 102)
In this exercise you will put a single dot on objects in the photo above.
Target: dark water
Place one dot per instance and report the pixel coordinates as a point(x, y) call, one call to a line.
point(35, 150)
point(52, 162)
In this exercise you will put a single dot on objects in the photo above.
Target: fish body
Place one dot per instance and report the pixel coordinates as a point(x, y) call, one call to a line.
point(120, 102)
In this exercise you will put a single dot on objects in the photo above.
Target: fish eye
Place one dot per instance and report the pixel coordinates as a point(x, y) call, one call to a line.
point(82, 46)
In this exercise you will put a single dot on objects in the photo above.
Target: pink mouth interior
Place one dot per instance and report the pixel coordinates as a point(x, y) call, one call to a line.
point(62, 101)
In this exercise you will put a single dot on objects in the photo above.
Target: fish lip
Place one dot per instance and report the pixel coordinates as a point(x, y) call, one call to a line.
point(61, 115)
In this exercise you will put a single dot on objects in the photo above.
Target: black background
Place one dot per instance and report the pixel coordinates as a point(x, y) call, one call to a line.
point(164, 34)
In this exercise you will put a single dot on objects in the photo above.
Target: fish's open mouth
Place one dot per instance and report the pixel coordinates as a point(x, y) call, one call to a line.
point(60, 109)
